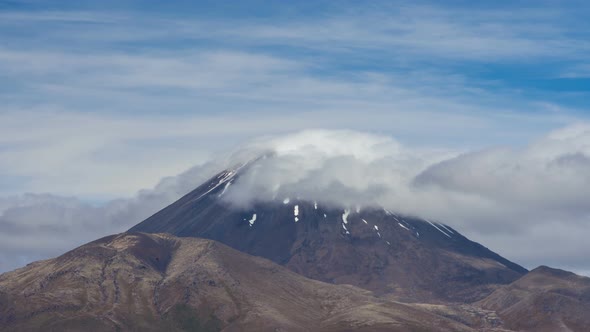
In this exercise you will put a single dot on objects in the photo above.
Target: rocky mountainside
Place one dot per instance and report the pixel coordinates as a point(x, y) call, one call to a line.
point(409, 258)
point(157, 282)
point(545, 299)
point(320, 267)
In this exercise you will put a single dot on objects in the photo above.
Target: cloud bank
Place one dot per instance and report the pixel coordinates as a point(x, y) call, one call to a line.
point(337, 167)
point(138, 84)
point(40, 226)
point(527, 203)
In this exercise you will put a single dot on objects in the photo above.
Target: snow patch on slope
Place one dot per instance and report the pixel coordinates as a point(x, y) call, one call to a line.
point(252, 220)
point(440, 230)
point(345, 216)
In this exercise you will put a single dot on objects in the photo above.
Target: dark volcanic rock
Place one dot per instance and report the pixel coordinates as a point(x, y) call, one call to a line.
point(423, 271)
point(410, 258)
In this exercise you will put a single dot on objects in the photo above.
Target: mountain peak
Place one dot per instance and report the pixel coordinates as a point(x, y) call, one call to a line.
point(333, 167)
point(368, 246)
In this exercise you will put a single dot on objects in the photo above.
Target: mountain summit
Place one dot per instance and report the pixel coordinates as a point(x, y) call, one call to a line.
point(345, 267)
point(408, 258)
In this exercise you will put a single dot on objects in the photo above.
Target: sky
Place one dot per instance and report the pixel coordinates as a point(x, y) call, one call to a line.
point(110, 110)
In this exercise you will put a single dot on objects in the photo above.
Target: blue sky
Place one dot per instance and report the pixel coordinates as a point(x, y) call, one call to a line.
point(99, 99)
point(108, 83)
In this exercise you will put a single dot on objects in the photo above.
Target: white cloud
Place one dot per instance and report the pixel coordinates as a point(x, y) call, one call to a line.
point(550, 172)
point(104, 118)
point(524, 203)
point(39, 226)
point(110, 155)
point(513, 200)
point(102, 112)
point(343, 167)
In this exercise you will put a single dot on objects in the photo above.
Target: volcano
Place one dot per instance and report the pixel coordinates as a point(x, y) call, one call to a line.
point(321, 266)
point(405, 257)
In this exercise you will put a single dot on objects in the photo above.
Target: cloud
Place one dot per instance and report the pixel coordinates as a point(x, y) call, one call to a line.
point(96, 155)
point(98, 104)
point(402, 30)
point(40, 226)
point(514, 200)
point(527, 203)
point(439, 33)
point(551, 172)
point(341, 167)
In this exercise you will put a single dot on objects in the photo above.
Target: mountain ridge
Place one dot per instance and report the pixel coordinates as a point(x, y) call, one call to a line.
point(290, 264)
point(372, 248)
point(158, 282)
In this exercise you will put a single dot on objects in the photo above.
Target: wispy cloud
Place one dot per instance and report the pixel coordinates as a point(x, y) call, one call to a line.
point(100, 103)
point(521, 202)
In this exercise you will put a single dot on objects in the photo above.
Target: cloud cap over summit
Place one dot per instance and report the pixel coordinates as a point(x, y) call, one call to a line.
point(512, 199)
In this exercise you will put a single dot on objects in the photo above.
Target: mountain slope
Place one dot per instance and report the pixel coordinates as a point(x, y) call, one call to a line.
point(545, 299)
point(157, 282)
point(410, 258)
